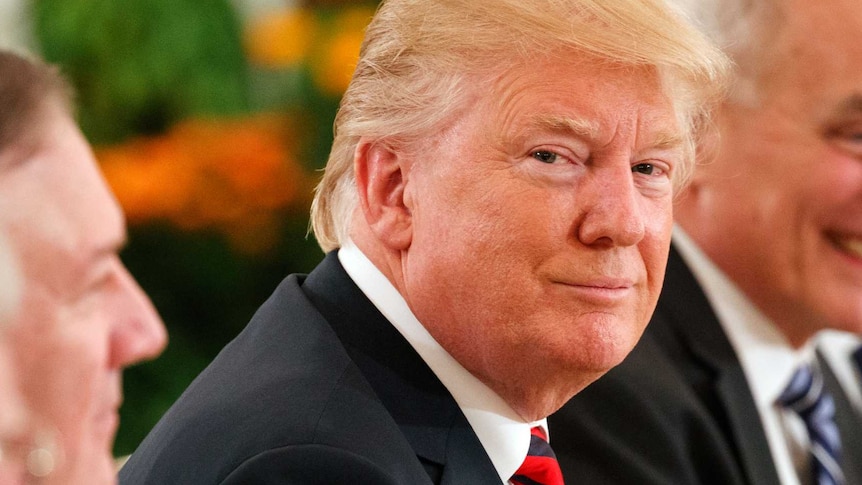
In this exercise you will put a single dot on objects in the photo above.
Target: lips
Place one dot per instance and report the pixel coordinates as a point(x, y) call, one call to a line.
point(600, 283)
point(602, 292)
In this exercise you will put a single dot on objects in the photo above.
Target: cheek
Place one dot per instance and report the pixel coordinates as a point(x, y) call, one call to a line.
point(657, 235)
point(60, 361)
point(484, 224)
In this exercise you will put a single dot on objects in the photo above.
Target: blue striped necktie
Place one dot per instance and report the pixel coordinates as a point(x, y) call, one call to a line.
point(807, 397)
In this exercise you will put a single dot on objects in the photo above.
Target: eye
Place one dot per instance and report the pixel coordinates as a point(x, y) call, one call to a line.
point(548, 157)
point(848, 139)
point(852, 142)
point(644, 168)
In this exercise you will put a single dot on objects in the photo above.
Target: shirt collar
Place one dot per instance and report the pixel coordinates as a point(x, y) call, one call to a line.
point(503, 434)
point(767, 358)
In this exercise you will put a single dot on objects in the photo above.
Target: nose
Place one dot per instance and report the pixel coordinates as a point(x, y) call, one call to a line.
point(613, 215)
point(138, 333)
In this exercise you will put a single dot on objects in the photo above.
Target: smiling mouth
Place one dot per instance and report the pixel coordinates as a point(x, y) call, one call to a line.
point(850, 245)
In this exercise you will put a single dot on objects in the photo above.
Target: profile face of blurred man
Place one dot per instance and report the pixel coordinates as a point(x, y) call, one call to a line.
point(552, 198)
point(786, 190)
point(82, 317)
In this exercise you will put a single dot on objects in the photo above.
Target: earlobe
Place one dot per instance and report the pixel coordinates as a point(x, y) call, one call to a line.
point(381, 180)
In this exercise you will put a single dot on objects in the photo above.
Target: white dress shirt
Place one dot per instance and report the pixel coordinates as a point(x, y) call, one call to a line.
point(767, 359)
point(503, 434)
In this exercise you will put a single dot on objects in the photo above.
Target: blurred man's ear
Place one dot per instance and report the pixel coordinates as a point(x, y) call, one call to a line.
point(705, 156)
point(381, 180)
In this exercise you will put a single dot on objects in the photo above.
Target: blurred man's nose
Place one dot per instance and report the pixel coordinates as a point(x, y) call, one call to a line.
point(138, 333)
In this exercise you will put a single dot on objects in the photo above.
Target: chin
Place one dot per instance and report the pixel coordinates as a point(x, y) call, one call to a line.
point(605, 347)
point(586, 364)
point(95, 466)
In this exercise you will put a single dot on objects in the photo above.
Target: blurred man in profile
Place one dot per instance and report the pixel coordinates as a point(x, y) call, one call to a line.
point(726, 386)
point(82, 318)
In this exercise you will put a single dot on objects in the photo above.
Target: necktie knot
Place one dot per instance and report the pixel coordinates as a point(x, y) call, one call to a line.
point(805, 395)
point(540, 467)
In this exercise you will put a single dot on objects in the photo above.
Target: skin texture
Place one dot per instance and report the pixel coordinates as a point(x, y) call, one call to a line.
point(13, 417)
point(13, 421)
point(82, 316)
point(530, 236)
point(780, 208)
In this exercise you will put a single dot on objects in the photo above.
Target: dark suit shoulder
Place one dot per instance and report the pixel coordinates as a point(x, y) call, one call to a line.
point(644, 422)
point(283, 393)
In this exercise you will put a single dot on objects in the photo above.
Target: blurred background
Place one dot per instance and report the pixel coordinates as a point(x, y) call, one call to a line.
point(211, 120)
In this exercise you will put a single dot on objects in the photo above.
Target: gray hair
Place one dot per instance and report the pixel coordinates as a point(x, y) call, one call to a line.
point(27, 86)
point(420, 58)
point(744, 29)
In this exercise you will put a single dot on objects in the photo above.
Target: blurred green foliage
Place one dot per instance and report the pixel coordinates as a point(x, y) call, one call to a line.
point(139, 65)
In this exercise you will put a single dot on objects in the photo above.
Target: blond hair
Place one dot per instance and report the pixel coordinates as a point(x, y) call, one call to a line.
point(420, 58)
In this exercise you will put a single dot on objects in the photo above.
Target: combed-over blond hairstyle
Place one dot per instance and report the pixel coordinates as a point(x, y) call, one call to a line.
point(421, 59)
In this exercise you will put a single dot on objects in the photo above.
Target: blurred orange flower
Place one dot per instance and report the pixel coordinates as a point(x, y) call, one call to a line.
point(281, 38)
point(231, 175)
point(336, 59)
point(325, 42)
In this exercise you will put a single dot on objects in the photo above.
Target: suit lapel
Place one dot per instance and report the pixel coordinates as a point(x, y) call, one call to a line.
point(849, 424)
point(423, 408)
point(746, 427)
point(693, 320)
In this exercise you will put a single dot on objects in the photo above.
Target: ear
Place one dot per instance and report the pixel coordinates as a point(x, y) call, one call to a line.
point(381, 180)
point(706, 153)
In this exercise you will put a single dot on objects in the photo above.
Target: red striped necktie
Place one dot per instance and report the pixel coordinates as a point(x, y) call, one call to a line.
point(540, 467)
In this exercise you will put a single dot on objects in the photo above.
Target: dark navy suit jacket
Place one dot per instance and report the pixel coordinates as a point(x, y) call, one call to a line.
point(678, 410)
point(318, 389)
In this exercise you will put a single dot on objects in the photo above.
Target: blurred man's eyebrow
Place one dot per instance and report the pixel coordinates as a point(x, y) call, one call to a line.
point(120, 244)
point(851, 105)
point(111, 248)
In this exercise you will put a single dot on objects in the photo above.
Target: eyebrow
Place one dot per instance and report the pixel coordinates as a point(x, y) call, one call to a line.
point(101, 261)
point(589, 130)
point(664, 140)
point(577, 126)
point(850, 105)
point(109, 249)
